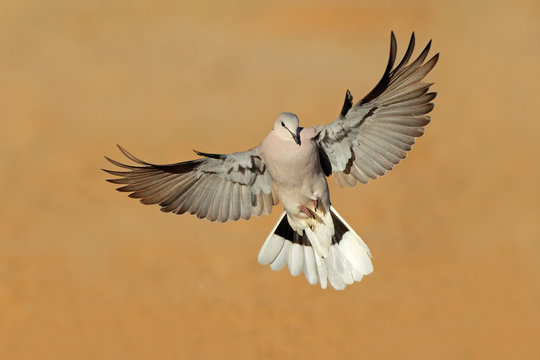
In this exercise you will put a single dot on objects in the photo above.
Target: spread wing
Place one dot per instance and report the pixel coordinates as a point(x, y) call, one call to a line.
point(373, 135)
point(216, 187)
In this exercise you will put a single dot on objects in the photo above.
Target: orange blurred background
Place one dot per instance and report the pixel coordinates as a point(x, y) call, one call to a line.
point(87, 273)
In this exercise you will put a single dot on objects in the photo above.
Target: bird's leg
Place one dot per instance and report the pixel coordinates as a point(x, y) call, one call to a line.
point(316, 203)
point(306, 211)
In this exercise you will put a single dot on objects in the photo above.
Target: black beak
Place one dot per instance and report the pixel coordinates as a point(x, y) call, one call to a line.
point(296, 136)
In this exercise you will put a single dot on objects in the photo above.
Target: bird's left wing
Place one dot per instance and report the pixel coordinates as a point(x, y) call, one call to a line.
point(217, 187)
point(373, 135)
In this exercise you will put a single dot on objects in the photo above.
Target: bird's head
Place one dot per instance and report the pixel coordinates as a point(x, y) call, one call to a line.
point(286, 127)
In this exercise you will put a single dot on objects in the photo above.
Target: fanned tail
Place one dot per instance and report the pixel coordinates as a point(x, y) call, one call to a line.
point(331, 252)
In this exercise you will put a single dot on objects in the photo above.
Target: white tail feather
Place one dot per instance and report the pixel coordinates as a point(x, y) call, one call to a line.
point(272, 245)
point(296, 259)
point(310, 267)
point(281, 259)
point(321, 235)
point(331, 252)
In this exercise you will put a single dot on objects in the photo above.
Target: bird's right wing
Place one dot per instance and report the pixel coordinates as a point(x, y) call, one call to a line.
point(373, 135)
point(217, 187)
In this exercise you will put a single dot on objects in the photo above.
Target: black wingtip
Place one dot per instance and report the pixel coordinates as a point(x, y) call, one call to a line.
point(208, 155)
point(406, 57)
point(122, 165)
point(347, 104)
point(424, 52)
point(393, 50)
point(381, 85)
point(428, 46)
point(435, 59)
point(114, 162)
point(132, 157)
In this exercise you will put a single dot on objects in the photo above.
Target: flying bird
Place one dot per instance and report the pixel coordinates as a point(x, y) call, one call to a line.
point(367, 139)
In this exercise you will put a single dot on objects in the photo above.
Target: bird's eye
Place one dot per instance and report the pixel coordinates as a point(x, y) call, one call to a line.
point(282, 124)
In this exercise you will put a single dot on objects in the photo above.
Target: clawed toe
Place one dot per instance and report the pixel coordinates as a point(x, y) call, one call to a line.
point(306, 211)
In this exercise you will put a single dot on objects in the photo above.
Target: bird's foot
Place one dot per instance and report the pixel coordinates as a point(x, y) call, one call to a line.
point(306, 211)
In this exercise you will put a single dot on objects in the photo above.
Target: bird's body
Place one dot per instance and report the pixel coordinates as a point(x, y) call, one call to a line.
point(291, 163)
point(305, 186)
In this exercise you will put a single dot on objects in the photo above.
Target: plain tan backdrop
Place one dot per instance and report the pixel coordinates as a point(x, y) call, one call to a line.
point(87, 273)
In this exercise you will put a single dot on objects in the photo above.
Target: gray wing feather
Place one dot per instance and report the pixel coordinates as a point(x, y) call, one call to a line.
point(245, 207)
point(235, 210)
point(372, 136)
point(216, 187)
point(206, 200)
point(225, 202)
point(214, 207)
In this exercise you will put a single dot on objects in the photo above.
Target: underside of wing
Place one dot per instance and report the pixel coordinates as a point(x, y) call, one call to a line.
point(216, 187)
point(373, 135)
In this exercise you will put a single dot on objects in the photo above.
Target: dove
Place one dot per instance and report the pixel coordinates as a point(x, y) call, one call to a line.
point(291, 164)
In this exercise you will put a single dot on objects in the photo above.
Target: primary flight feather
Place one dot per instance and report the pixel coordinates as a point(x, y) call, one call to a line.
point(292, 163)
